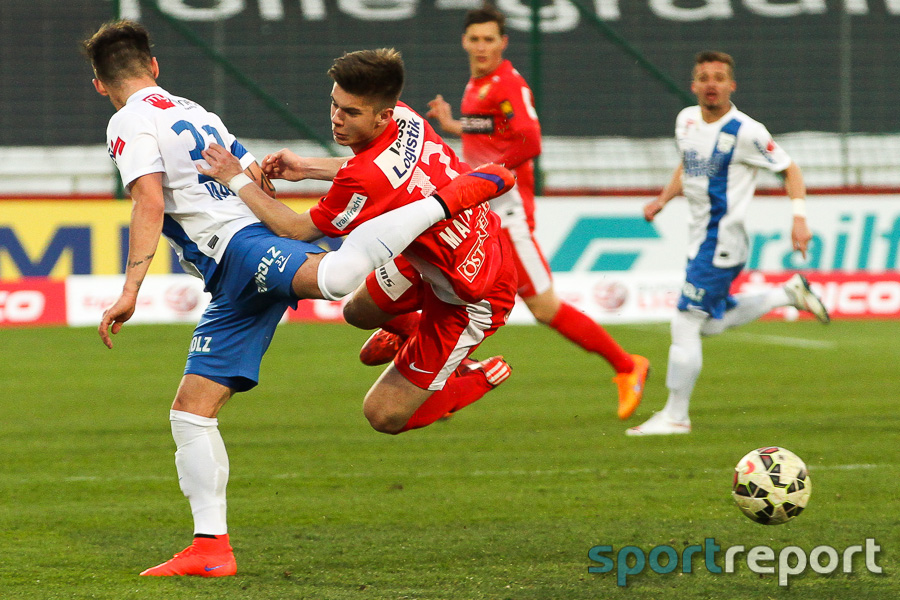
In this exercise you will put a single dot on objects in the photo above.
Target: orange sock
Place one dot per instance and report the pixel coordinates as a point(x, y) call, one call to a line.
point(577, 327)
point(459, 392)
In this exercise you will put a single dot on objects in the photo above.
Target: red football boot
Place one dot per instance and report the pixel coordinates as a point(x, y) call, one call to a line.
point(206, 557)
point(381, 348)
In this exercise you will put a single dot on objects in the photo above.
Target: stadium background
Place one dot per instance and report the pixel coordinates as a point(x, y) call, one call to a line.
point(610, 77)
point(790, 58)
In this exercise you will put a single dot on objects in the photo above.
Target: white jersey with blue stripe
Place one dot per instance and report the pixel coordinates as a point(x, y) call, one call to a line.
point(157, 132)
point(720, 162)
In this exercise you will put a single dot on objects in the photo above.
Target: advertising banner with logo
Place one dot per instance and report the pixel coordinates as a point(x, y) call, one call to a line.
point(32, 302)
point(46, 238)
point(162, 299)
point(607, 260)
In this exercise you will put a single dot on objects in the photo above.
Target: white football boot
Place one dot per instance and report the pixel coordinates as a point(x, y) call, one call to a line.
point(803, 298)
point(660, 424)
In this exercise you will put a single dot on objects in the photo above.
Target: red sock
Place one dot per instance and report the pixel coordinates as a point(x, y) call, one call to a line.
point(403, 325)
point(459, 392)
point(581, 329)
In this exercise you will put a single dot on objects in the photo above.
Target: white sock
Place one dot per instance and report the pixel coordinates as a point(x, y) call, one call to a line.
point(749, 308)
point(685, 362)
point(373, 244)
point(202, 465)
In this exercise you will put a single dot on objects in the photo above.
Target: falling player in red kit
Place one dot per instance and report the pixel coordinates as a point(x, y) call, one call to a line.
point(499, 124)
point(458, 273)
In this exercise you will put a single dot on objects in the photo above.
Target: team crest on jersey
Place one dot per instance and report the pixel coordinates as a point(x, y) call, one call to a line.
point(159, 101)
point(399, 159)
point(354, 207)
point(766, 150)
point(725, 143)
point(507, 108)
point(115, 148)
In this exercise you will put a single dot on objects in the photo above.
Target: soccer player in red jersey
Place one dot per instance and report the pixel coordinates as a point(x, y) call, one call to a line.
point(458, 273)
point(499, 124)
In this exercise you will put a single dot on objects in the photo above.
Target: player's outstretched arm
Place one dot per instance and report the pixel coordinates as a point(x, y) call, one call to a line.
point(146, 226)
point(796, 190)
point(672, 189)
point(280, 218)
point(439, 110)
point(286, 165)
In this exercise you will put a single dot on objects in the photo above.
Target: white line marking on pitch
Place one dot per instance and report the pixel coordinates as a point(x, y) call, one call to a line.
point(780, 340)
point(759, 338)
point(477, 473)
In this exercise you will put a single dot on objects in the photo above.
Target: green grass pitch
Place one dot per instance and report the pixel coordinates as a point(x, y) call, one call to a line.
point(503, 501)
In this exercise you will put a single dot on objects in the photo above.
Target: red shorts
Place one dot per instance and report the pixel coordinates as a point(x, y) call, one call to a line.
point(447, 332)
point(518, 229)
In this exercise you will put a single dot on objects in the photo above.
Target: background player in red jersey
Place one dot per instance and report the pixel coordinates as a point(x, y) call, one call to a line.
point(457, 273)
point(499, 124)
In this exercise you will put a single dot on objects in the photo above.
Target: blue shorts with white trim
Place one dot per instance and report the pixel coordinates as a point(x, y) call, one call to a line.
point(707, 288)
point(251, 290)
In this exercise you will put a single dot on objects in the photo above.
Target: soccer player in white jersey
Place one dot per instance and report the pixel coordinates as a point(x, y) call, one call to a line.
point(187, 175)
point(722, 149)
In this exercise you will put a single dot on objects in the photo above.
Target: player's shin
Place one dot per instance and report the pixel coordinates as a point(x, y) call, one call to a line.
point(685, 363)
point(202, 464)
point(579, 328)
point(459, 392)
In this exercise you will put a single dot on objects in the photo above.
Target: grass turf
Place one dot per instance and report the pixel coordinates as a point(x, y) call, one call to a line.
point(504, 501)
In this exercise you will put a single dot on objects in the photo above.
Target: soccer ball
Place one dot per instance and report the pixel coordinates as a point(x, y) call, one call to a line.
point(771, 485)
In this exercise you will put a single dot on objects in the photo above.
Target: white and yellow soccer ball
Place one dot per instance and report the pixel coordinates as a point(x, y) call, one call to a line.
point(771, 485)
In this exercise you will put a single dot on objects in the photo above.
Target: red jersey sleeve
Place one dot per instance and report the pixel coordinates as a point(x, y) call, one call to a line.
point(346, 205)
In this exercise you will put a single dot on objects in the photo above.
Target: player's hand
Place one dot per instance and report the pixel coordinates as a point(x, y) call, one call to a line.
point(651, 209)
point(115, 316)
point(284, 164)
point(439, 109)
point(800, 235)
point(223, 165)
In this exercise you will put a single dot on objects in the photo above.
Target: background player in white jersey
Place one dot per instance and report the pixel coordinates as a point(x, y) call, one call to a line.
point(184, 170)
point(721, 150)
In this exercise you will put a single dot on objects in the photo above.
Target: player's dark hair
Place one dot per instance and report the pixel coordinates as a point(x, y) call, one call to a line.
point(488, 13)
point(119, 50)
point(373, 74)
point(715, 56)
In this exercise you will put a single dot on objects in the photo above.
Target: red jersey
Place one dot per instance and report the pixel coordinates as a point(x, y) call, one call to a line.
point(408, 162)
point(499, 124)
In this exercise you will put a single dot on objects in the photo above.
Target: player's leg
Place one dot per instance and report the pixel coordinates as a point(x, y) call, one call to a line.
point(377, 241)
point(703, 297)
point(202, 465)
point(224, 357)
point(751, 306)
point(685, 363)
point(430, 376)
point(536, 289)
point(389, 299)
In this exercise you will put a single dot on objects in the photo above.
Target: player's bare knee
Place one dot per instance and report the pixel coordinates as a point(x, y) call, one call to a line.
point(359, 318)
point(384, 420)
point(543, 312)
point(543, 306)
point(361, 312)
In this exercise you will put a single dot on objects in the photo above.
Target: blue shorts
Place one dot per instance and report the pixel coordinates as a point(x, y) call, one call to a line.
point(707, 288)
point(251, 290)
